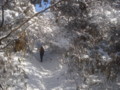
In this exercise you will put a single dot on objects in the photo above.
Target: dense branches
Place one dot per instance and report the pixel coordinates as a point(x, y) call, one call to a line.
point(19, 26)
point(96, 42)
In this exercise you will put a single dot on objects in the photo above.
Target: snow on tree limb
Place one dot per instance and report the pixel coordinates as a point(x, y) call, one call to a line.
point(15, 29)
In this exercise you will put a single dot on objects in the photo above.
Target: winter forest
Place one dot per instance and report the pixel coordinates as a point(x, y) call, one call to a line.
point(65, 45)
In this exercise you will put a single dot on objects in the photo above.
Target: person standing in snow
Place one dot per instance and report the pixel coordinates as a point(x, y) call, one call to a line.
point(41, 53)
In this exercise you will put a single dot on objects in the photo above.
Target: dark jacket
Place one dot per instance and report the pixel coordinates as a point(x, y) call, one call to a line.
point(41, 53)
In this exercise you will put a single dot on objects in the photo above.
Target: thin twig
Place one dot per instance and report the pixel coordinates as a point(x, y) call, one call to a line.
point(15, 29)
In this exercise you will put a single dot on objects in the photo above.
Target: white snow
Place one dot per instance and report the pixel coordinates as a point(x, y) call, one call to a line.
point(105, 56)
point(51, 74)
point(47, 75)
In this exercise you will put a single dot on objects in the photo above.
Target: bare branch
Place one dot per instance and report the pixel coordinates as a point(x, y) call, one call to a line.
point(15, 29)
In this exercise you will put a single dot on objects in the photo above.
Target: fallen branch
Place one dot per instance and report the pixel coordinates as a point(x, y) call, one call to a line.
point(15, 29)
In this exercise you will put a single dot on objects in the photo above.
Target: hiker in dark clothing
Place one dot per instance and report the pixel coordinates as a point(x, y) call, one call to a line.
point(41, 53)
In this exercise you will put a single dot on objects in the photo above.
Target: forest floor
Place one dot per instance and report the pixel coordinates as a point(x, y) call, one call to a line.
point(51, 74)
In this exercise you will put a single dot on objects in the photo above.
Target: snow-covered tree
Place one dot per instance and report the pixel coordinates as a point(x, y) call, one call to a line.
point(94, 25)
point(85, 31)
point(12, 14)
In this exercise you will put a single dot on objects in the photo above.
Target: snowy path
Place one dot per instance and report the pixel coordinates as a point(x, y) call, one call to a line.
point(48, 75)
point(51, 74)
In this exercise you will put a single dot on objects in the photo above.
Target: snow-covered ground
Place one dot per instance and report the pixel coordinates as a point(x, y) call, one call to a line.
point(51, 74)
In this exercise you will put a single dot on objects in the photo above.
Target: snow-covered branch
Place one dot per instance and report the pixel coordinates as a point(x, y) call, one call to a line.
point(15, 29)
